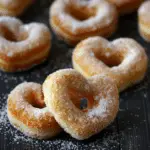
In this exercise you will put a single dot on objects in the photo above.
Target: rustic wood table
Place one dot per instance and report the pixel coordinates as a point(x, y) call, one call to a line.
point(129, 131)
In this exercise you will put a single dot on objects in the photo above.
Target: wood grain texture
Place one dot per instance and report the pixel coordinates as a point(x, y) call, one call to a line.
point(130, 130)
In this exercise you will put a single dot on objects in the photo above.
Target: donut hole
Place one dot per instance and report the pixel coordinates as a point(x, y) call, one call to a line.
point(11, 36)
point(82, 101)
point(35, 100)
point(108, 58)
point(110, 62)
point(80, 14)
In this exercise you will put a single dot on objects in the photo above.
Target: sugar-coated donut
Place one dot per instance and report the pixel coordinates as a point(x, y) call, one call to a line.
point(75, 20)
point(64, 87)
point(22, 46)
point(126, 6)
point(144, 20)
point(27, 112)
point(13, 7)
point(123, 59)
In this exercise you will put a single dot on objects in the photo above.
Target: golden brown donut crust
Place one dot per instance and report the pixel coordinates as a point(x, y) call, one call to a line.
point(126, 6)
point(27, 112)
point(144, 20)
point(13, 7)
point(123, 59)
point(102, 95)
point(22, 46)
point(72, 24)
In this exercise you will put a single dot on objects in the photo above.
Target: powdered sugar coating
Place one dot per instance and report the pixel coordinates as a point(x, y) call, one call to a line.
point(104, 15)
point(102, 109)
point(9, 3)
point(129, 58)
point(81, 125)
point(144, 12)
point(13, 7)
point(32, 121)
point(144, 8)
point(37, 34)
point(62, 143)
point(101, 19)
point(30, 44)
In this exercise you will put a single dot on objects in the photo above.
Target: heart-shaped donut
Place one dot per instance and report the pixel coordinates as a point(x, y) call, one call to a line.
point(13, 7)
point(79, 19)
point(124, 60)
point(27, 112)
point(64, 87)
point(22, 46)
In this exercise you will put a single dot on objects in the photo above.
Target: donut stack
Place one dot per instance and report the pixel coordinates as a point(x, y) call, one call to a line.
point(102, 68)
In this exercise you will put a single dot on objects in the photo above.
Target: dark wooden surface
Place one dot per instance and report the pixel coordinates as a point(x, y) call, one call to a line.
point(130, 130)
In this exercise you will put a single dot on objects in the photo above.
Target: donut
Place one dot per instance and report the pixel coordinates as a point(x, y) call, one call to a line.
point(22, 46)
point(144, 20)
point(77, 20)
point(27, 112)
point(126, 6)
point(123, 60)
point(13, 7)
point(62, 88)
